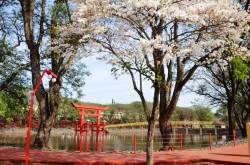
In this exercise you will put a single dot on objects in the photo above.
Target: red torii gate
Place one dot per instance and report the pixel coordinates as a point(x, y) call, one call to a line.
point(85, 112)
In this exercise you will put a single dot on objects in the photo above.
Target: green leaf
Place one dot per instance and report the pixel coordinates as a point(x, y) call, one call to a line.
point(241, 68)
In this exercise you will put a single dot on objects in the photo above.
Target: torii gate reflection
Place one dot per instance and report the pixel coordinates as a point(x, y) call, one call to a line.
point(85, 111)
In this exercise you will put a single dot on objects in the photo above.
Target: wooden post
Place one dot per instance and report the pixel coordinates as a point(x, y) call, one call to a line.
point(181, 141)
point(186, 130)
point(248, 135)
point(134, 142)
point(216, 135)
point(234, 137)
point(210, 141)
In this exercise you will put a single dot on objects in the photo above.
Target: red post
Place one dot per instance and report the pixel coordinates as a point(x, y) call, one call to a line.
point(181, 147)
point(103, 136)
point(92, 129)
point(234, 137)
point(98, 120)
point(31, 112)
point(210, 141)
point(28, 129)
point(134, 142)
point(87, 129)
point(103, 129)
point(97, 140)
point(81, 130)
point(98, 130)
point(87, 133)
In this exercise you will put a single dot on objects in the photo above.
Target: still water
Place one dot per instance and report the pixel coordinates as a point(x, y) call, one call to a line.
point(115, 140)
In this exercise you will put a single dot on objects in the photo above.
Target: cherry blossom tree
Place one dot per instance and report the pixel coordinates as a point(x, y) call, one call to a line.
point(162, 41)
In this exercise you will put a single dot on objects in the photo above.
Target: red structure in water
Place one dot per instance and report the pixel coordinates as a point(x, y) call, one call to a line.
point(98, 126)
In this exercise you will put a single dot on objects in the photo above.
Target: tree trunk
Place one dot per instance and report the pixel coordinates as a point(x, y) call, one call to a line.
point(47, 117)
point(150, 142)
point(243, 130)
point(165, 115)
point(43, 133)
point(166, 132)
point(168, 100)
point(241, 123)
point(230, 110)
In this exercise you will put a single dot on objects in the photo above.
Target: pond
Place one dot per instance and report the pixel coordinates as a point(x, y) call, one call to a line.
point(115, 140)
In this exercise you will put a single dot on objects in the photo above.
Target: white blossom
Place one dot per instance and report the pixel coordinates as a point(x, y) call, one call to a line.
point(125, 29)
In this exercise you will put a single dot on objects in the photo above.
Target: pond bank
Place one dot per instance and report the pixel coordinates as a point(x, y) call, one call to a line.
point(22, 131)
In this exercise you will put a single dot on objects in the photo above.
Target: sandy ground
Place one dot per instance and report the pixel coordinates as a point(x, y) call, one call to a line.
point(228, 155)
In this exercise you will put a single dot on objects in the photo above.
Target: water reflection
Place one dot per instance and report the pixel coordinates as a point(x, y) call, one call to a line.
point(122, 141)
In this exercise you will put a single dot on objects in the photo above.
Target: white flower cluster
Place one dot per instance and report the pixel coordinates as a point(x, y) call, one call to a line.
point(135, 28)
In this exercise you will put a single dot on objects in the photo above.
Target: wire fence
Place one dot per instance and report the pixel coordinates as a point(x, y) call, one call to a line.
point(133, 140)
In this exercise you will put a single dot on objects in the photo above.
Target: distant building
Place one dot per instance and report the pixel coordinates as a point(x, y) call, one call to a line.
point(118, 115)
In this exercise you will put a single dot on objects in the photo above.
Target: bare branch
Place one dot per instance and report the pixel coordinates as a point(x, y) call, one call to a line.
point(6, 83)
point(41, 24)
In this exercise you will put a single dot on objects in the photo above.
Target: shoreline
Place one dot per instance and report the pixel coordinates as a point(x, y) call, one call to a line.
point(22, 131)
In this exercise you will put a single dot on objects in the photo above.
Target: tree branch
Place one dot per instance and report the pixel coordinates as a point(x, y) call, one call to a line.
point(190, 73)
point(41, 24)
point(6, 83)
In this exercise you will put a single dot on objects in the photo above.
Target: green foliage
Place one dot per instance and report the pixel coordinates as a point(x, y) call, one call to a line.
point(3, 107)
point(14, 104)
point(66, 111)
point(10, 61)
point(203, 113)
point(132, 113)
point(221, 114)
point(61, 13)
point(117, 113)
point(196, 113)
point(74, 80)
point(126, 113)
point(241, 68)
point(205, 124)
point(183, 114)
point(4, 50)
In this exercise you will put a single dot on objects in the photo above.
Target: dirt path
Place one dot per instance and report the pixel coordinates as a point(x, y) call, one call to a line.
point(225, 155)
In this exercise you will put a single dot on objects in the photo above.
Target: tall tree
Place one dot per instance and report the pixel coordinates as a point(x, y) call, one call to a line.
point(221, 83)
point(162, 41)
point(221, 87)
point(40, 26)
point(242, 113)
point(222, 80)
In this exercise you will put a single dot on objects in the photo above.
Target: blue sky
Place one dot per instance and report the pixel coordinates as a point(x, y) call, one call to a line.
point(101, 87)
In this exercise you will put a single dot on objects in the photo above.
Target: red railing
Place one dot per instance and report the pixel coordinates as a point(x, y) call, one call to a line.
point(134, 140)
